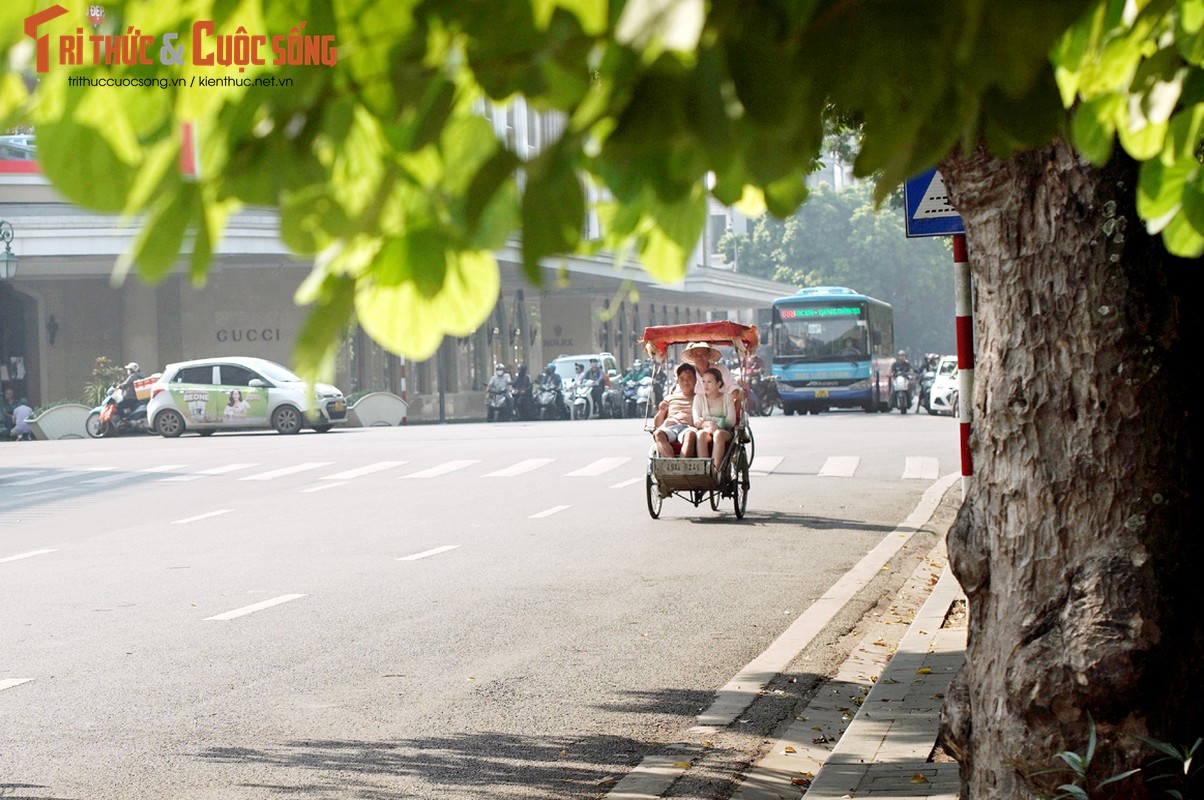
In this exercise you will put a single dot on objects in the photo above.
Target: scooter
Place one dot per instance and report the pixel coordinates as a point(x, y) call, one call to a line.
point(900, 394)
point(763, 391)
point(545, 400)
point(107, 420)
point(927, 378)
point(582, 399)
point(497, 405)
point(612, 399)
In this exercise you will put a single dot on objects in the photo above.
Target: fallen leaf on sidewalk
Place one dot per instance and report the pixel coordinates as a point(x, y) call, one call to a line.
point(923, 671)
point(681, 764)
point(918, 778)
point(789, 749)
point(804, 781)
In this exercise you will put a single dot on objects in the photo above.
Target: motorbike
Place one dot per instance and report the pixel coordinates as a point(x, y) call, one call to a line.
point(546, 402)
point(763, 395)
point(498, 405)
point(927, 378)
point(612, 399)
point(525, 406)
point(581, 399)
point(636, 396)
point(107, 420)
point(900, 393)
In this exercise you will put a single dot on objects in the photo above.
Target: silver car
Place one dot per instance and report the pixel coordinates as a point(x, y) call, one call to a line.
point(240, 393)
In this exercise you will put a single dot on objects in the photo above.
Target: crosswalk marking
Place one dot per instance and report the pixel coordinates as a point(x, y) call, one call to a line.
point(549, 512)
point(200, 517)
point(321, 487)
point(921, 468)
point(626, 483)
point(23, 474)
point(765, 465)
point(599, 467)
point(125, 476)
point(206, 472)
point(840, 466)
point(58, 476)
point(442, 469)
point(359, 472)
point(280, 473)
point(520, 468)
point(8, 683)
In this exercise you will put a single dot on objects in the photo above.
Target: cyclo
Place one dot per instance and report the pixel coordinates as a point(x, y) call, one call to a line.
point(698, 480)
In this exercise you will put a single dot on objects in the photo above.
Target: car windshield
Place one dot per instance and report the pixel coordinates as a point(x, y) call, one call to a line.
point(948, 366)
point(274, 372)
point(565, 367)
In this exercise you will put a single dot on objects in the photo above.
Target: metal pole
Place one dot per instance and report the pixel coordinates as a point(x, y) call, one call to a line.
point(964, 311)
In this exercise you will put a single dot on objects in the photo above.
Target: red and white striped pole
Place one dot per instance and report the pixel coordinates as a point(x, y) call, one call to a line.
point(964, 311)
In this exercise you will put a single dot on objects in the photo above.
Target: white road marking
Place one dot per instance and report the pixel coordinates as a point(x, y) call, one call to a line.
point(627, 483)
point(58, 476)
point(599, 467)
point(206, 472)
point(429, 553)
point(442, 469)
point(23, 474)
point(922, 468)
point(521, 467)
point(251, 609)
point(8, 683)
point(323, 486)
point(549, 512)
point(125, 476)
point(280, 473)
point(765, 465)
point(199, 517)
point(840, 467)
point(30, 554)
point(379, 466)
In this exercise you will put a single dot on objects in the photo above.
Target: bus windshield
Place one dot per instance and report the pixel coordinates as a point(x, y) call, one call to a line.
point(826, 332)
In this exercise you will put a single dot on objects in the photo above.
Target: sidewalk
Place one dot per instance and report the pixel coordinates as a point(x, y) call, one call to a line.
point(884, 752)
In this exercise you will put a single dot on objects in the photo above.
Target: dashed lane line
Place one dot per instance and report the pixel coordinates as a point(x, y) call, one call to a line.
point(251, 609)
point(549, 512)
point(125, 476)
point(30, 554)
point(8, 683)
point(765, 465)
point(428, 553)
point(200, 517)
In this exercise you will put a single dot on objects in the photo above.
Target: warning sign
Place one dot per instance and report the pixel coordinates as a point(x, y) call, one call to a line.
point(928, 212)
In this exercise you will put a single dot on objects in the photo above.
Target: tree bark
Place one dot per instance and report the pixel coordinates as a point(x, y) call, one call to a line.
point(1077, 545)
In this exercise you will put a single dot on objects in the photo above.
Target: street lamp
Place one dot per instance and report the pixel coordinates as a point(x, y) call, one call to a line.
point(8, 261)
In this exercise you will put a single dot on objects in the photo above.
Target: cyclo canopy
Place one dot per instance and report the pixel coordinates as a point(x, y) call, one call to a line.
point(658, 339)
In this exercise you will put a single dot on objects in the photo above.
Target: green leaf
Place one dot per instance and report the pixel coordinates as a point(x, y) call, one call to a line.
point(665, 249)
point(322, 335)
point(553, 208)
point(1094, 127)
point(1182, 238)
point(157, 246)
point(1160, 187)
point(408, 322)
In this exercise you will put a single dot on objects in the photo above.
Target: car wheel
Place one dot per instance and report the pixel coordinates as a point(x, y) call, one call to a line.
point(169, 423)
point(93, 425)
point(286, 419)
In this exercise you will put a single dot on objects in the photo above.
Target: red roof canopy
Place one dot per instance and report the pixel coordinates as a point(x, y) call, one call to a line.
point(658, 339)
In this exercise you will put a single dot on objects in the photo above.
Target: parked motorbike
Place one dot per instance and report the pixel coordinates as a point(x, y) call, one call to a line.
point(900, 394)
point(763, 395)
point(498, 405)
point(581, 399)
point(108, 420)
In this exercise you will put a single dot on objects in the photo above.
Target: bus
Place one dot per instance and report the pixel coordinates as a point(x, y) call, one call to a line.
point(832, 348)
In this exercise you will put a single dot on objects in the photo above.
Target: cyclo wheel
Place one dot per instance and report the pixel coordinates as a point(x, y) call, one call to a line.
point(751, 445)
point(653, 491)
point(740, 485)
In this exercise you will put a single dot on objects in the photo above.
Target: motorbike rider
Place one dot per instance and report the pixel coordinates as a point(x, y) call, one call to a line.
point(524, 401)
point(499, 384)
point(549, 379)
point(601, 381)
point(927, 376)
point(901, 364)
point(129, 395)
point(637, 372)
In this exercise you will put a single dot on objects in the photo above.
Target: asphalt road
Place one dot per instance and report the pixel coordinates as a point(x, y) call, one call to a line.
point(458, 611)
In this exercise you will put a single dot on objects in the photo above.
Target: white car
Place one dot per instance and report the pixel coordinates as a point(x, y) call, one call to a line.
point(240, 393)
point(943, 396)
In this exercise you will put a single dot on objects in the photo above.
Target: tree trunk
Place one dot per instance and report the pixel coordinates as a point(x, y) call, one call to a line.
point(1076, 546)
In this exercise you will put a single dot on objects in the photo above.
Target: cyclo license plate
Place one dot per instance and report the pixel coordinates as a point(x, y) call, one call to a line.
point(683, 466)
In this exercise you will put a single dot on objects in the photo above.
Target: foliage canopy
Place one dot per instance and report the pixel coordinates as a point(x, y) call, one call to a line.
point(387, 177)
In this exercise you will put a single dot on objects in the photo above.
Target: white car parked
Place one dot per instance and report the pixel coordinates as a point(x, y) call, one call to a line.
point(240, 393)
